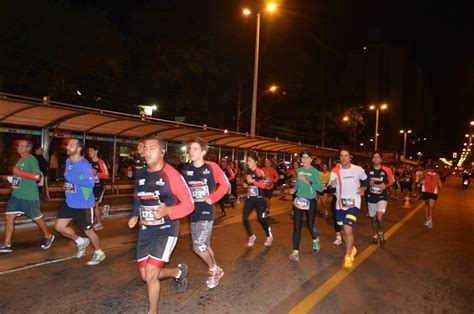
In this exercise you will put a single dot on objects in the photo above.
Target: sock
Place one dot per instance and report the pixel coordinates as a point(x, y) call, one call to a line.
point(99, 251)
point(179, 274)
point(79, 241)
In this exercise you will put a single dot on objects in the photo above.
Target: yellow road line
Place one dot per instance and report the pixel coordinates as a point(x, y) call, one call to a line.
point(322, 291)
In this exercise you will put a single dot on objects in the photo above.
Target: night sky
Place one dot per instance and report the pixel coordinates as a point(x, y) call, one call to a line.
point(303, 48)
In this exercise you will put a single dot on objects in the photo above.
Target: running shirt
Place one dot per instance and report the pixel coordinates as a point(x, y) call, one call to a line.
point(78, 184)
point(348, 182)
point(430, 182)
point(165, 186)
point(102, 172)
point(23, 188)
point(229, 173)
point(305, 190)
point(374, 192)
point(271, 177)
point(207, 181)
point(255, 189)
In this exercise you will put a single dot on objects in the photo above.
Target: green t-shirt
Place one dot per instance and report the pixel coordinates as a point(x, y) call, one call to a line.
point(23, 188)
point(305, 190)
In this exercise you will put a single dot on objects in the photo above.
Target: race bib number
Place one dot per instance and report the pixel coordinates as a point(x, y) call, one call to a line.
point(16, 181)
point(148, 218)
point(376, 189)
point(347, 202)
point(301, 203)
point(199, 192)
point(252, 190)
point(69, 187)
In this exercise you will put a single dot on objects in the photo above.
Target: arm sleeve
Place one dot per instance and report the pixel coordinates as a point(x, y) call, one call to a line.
point(231, 173)
point(259, 183)
point(28, 175)
point(318, 183)
point(390, 177)
point(104, 172)
point(179, 188)
point(221, 181)
point(86, 177)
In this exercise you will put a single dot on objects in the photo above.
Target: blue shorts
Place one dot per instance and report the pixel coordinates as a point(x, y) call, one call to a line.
point(29, 208)
point(347, 217)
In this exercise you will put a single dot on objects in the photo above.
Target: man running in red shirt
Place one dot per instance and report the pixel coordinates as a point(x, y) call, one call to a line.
point(271, 178)
point(429, 193)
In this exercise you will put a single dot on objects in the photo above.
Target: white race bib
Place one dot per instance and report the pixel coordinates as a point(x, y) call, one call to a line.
point(301, 203)
point(347, 202)
point(69, 187)
point(199, 192)
point(148, 218)
point(252, 190)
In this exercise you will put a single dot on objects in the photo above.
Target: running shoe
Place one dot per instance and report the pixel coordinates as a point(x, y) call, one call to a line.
point(316, 245)
point(98, 227)
point(381, 239)
point(47, 242)
point(338, 241)
point(375, 239)
point(429, 223)
point(181, 283)
point(294, 256)
point(348, 262)
point(353, 252)
point(214, 277)
point(251, 241)
point(98, 257)
point(81, 248)
point(5, 248)
point(268, 241)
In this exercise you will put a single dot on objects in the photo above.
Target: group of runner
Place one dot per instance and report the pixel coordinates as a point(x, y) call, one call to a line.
point(163, 195)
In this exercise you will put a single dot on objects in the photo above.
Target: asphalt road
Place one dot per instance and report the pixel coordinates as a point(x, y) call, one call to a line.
point(419, 270)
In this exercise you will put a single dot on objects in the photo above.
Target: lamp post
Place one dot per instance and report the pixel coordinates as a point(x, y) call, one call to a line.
point(377, 108)
point(271, 7)
point(405, 135)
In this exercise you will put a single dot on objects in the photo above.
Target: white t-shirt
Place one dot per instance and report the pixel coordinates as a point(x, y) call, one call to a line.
point(347, 186)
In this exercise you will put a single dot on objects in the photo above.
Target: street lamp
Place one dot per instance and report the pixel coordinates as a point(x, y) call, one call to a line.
point(146, 111)
point(405, 134)
point(345, 119)
point(271, 7)
point(377, 109)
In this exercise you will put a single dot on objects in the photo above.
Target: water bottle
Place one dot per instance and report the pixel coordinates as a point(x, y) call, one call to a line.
point(105, 210)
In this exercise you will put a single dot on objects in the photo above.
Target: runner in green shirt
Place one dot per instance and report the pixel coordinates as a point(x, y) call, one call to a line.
point(25, 198)
point(308, 182)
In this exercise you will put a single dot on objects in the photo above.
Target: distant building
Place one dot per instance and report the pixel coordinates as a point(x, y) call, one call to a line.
point(381, 73)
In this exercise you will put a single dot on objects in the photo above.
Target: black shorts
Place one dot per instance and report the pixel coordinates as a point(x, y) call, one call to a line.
point(429, 196)
point(83, 217)
point(268, 193)
point(154, 245)
point(99, 191)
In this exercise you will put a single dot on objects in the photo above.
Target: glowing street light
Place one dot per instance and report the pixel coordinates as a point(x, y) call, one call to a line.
point(377, 109)
point(271, 7)
point(346, 119)
point(405, 134)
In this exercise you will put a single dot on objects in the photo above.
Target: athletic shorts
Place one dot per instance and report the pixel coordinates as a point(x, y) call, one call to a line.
point(82, 217)
point(154, 248)
point(29, 208)
point(429, 196)
point(99, 193)
point(201, 232)
point(347, 217)
point(268, 193)
point(379, 207)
